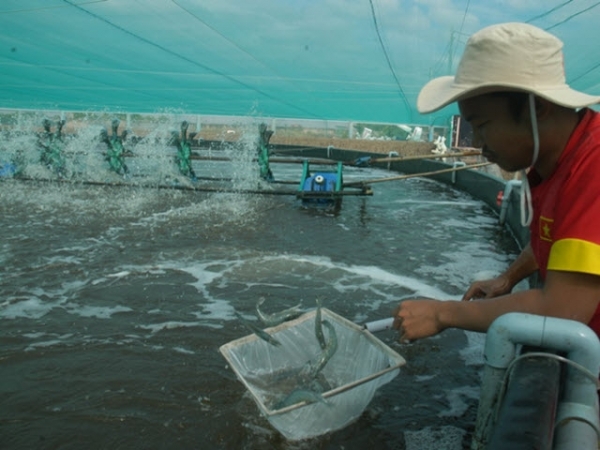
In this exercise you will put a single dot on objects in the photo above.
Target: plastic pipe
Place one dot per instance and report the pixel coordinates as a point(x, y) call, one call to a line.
point(577, 418)
point(379, 325)
point(455, 165)
point(390, 156)
point(329, 147)
point(508, 187)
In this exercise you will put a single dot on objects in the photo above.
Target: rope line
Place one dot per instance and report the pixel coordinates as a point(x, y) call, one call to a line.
point(389, 62)
point(191, 61)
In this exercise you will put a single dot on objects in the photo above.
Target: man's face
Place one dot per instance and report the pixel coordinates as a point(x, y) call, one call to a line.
point(503, 139)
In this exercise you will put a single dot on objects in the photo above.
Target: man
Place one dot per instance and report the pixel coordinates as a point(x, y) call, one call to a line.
point(510, 86)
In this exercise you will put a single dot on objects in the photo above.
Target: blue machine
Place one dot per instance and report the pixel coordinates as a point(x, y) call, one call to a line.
point(323, 187)
point(320, 182)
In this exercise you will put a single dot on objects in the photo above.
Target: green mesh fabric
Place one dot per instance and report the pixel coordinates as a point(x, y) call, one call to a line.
point(362, 60)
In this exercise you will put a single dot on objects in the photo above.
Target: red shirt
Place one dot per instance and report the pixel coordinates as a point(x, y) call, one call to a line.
point(565, 230)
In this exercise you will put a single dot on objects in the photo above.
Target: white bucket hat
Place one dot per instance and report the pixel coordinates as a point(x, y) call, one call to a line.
point(508, 56)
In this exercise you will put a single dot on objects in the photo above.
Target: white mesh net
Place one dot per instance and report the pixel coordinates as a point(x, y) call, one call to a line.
point(346, 384)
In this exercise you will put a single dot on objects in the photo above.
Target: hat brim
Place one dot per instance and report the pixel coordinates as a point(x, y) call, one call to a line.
point(440, 92)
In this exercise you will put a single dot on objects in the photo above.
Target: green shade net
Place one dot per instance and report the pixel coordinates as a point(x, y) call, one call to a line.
point(361, 60)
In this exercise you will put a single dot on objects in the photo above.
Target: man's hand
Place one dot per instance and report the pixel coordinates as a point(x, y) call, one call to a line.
point(416, 319)
point(494, 287)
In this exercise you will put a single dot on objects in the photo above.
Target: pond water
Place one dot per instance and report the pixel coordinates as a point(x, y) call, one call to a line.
point(115, 301)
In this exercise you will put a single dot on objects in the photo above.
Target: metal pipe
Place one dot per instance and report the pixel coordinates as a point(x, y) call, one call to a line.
point(578, 411)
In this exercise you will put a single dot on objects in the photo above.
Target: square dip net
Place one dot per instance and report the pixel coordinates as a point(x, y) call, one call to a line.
point(305, 390)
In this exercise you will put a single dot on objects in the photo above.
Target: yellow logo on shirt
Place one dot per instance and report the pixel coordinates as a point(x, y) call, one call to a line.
point(546, 228)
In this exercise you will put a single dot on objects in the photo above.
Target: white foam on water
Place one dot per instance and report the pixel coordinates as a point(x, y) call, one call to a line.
point(173, 324)
point(377, 274)
point(34, 335)
point(435, 438)
point(59, 340)
point(463, 262)
point(204, 276)
point(122, 274)
point(472, 353)
point(128, 271)
point(38, 302)
point(378, 285)
point(98, 281)
point(30, 308)
point(184, 351)
point(342, 278)
point(43, 344)
point(216, 309)
point(419, 378)
point(99, 312)
point(343, 226)
point(315, 265)
point(47, 340)
point(456, 399)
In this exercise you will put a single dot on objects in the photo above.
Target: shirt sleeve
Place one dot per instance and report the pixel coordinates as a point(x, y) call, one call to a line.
point(576, 227)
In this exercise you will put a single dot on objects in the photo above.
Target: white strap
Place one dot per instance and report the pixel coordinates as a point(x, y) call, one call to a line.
point(534, 130)
point(526, 203)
